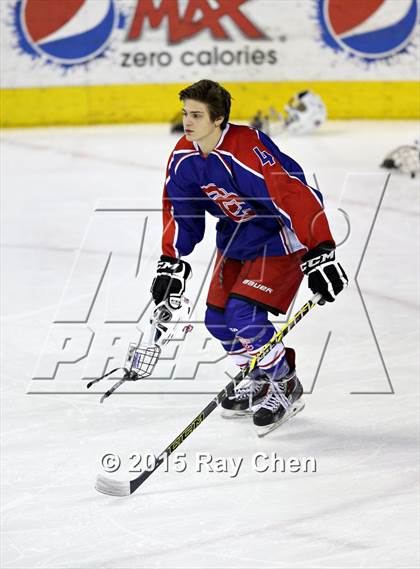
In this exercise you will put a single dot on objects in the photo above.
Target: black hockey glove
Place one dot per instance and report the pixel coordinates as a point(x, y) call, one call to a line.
point(169, 282)
point(325, 275)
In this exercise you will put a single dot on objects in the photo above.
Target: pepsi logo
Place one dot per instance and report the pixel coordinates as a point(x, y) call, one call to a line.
point(69, 32)
point(370, 30)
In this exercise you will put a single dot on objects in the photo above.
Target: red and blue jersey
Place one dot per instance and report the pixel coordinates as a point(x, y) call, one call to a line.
point(259, 194)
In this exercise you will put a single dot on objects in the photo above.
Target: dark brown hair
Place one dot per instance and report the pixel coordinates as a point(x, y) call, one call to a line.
point(213, 95)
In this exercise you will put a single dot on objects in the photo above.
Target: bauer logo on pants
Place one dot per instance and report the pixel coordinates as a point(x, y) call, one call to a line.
point(259, 286)
point(369, 30)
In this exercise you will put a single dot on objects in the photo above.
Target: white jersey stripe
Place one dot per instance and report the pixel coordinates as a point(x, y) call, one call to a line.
point(244, 166)
point(223, 135)
point(284, 214)
point(176, 231)
point(193, 153)
point(282, 240)
point(222, 161)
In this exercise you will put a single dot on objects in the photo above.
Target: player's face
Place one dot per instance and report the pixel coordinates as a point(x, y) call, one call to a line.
point(198, 126)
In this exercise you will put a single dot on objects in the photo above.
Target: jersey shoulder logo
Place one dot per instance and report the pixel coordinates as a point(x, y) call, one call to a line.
point(264, 156)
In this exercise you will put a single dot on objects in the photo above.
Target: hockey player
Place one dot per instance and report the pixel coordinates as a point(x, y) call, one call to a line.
point(271, 231)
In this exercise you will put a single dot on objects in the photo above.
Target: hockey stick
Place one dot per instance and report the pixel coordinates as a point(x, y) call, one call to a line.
point(125, 488)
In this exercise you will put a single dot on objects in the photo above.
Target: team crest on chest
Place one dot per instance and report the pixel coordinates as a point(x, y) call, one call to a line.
point(231, 204)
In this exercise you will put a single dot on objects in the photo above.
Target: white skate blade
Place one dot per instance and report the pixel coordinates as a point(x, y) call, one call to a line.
point(235, 413)
point(294, 410)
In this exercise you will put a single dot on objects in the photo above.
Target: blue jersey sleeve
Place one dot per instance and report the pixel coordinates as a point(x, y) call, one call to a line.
point(183, 221)
point(288, 163)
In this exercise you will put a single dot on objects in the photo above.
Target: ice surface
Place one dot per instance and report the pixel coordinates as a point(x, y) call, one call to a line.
point(357, 359)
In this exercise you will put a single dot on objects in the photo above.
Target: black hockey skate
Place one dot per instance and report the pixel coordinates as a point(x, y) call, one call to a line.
point(282, 402)
point(249, 393)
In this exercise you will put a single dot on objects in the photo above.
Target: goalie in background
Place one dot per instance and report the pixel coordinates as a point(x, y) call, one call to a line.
point(304, 113)
point(404, 159)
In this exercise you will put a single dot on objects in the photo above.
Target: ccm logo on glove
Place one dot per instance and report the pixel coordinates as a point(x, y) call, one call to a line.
point(316, 261)
point(325, 276)
point(170, 280)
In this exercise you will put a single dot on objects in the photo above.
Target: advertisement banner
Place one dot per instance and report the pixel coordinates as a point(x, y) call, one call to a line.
point(52, 43)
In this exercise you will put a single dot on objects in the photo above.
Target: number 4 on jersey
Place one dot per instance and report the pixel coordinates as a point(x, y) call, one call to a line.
point(264, 156)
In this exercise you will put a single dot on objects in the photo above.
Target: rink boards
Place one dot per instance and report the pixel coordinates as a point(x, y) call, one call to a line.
point(159, 102)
